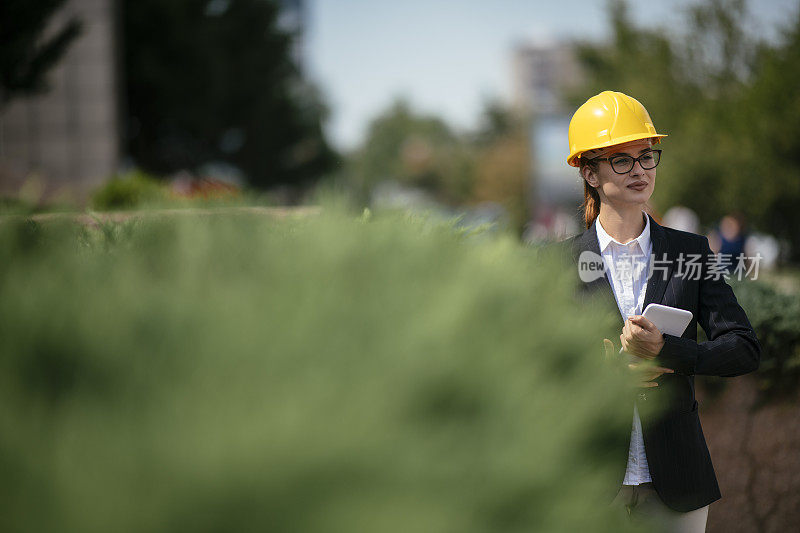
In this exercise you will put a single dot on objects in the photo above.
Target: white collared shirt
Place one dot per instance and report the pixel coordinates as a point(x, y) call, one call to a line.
point(626, 267)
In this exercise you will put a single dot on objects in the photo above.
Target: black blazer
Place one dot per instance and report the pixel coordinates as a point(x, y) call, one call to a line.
point(677, 455)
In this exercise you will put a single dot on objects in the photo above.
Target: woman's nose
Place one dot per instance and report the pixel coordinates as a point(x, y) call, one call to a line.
point(636, 169)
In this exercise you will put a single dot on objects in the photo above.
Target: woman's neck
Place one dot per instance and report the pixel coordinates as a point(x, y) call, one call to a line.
point(623, 225)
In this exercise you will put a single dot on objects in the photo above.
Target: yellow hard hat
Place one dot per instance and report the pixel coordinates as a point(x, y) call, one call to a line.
point(607, 119)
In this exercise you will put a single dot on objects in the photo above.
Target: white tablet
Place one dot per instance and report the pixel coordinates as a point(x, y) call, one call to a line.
point(669, 320)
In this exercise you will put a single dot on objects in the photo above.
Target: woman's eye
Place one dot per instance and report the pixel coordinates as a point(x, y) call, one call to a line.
point(647, 157)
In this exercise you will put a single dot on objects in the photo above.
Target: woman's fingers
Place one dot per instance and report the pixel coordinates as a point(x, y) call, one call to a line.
point(608, 347)
point(643, 322)
point(646, 368)
point(639, 328)
point(631, 334)
point(648, 373)
point(632, 347)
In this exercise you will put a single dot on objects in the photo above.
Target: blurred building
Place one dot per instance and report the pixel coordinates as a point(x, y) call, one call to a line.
point(66, 140)
point(542, 76)
point(542, 73)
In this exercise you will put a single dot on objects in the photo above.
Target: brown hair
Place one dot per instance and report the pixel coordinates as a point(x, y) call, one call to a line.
point(591, 198)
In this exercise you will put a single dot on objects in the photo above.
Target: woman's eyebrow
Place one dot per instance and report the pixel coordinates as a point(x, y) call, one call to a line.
point(629, 155)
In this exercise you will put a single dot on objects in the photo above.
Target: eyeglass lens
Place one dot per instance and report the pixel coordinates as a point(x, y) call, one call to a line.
point(624, 163)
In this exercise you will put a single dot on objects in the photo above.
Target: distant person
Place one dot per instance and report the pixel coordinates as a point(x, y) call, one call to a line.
point(669, 478)
point(728, 240)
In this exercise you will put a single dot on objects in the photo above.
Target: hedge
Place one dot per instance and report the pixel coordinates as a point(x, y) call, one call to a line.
point(329, 374)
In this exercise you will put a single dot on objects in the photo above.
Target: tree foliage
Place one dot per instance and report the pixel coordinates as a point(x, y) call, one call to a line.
point(219, 85)
point(728, 102)
point(488, 164)
point(413, 149)
point(503, 162)
point(27, 50)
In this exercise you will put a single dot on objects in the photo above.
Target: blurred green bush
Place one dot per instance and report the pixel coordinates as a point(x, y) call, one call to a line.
point(327, 374)
point(775, 317)
point(130, 190)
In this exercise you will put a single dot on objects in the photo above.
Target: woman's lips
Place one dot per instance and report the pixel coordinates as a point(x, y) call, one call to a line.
point(638, 185)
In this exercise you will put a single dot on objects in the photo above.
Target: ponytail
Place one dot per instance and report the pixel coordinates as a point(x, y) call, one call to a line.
point(591, 198)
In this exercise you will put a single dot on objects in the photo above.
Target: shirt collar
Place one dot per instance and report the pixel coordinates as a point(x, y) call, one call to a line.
point(604, 239)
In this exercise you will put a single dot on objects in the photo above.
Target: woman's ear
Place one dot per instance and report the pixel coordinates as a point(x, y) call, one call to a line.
point(590, 176)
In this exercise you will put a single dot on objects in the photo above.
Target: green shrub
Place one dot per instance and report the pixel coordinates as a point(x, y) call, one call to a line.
point(775, 317)
point(318, 375)
point(133, 189)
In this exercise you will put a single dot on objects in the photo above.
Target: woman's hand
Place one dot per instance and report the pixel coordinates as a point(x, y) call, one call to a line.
point(641, 338)
point(647, 374)
point(644, 373)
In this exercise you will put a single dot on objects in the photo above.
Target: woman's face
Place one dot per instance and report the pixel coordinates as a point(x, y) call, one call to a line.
point(631, 188)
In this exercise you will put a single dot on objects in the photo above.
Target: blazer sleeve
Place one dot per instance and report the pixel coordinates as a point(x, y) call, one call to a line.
point(732, 348)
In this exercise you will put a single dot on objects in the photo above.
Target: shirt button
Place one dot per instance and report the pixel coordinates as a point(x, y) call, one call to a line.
point(642, 396)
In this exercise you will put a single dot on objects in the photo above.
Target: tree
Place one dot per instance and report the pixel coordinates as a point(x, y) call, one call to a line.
point(27, 51)
point(414, 149)
point(503, 177)
point(728, 102)
point(488, 164)
point(503, 166)
point(497, 121)
point(219, 85)
point(773, 124)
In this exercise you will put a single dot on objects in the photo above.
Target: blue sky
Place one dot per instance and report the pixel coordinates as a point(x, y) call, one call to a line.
point(447, 56)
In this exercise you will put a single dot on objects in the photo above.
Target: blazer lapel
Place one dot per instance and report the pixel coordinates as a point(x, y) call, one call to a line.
point(587, 241)
point(661, 265)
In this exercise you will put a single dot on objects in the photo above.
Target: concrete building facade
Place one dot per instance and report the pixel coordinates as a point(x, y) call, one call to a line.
point(542, 76)
point(65, 142)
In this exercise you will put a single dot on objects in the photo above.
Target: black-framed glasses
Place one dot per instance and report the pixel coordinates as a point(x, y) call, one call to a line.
point(622, 164)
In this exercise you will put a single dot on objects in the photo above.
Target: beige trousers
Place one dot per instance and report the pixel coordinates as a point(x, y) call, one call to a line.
point(642, 504)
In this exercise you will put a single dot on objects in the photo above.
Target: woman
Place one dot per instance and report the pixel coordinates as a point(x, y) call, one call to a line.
point(669, 476)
